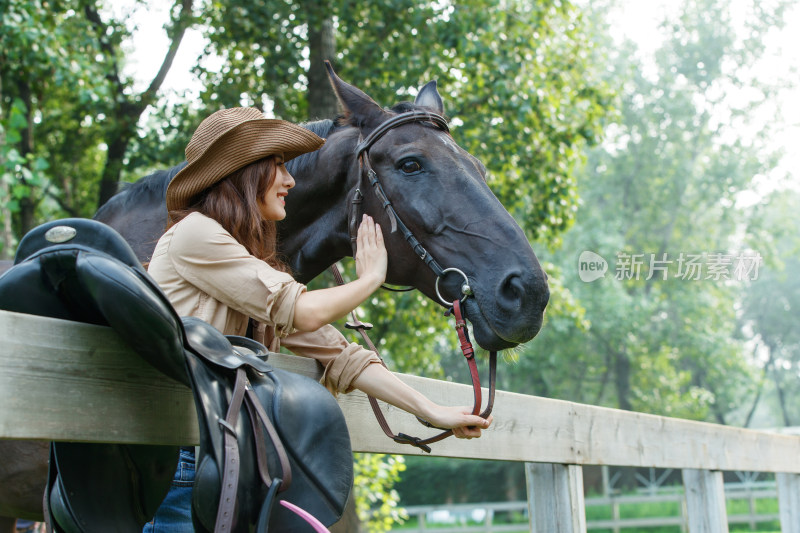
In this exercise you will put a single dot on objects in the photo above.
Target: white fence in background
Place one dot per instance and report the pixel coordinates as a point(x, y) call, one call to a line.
point(68, 381)
point(483, 517)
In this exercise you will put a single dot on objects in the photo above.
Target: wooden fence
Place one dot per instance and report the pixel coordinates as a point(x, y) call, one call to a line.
point(67, 381)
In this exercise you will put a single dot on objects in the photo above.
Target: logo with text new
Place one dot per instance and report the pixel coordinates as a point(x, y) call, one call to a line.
point(591, 266)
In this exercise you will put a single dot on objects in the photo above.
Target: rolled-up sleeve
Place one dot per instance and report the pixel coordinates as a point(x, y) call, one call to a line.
point(343, 361)
point(209, 258)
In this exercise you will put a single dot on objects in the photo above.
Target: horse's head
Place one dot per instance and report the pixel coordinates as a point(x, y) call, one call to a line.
point(439, 192)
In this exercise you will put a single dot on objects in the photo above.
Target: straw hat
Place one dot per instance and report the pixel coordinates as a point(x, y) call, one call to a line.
point(229, 140)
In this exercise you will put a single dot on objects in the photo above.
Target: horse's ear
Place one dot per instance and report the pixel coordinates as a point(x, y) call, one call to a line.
point(429, 97)
point(360, 109)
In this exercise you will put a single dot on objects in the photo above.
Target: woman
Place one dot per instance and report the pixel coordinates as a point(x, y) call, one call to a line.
point(218, 262)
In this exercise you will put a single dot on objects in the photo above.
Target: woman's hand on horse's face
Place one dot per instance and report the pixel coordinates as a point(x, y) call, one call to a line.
point(464, 424)
point(371, 257)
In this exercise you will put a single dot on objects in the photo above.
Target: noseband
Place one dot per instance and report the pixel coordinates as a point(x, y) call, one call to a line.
point(368, 175)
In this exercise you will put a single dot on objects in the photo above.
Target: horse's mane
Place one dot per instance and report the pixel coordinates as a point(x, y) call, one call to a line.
point(323, 128)
point(130, 194)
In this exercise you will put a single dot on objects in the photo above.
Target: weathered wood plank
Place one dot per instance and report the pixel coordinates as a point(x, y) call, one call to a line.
point(555, 498)
point(705, 501)
point(789, 502)
point(69, 381)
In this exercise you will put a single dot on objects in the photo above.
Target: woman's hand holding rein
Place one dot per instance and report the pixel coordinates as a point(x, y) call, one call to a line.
point(314, 309)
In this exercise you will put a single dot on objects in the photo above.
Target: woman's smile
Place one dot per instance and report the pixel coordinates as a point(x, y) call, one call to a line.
point(273, 206)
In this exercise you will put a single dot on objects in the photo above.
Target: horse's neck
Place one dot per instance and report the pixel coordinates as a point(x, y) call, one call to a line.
point(315, 233)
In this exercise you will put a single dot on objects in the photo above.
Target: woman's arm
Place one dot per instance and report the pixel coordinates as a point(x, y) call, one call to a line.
point(377, 381)
point(316, 308)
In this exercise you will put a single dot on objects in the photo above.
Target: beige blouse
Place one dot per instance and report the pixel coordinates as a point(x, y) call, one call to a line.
point(206, 273)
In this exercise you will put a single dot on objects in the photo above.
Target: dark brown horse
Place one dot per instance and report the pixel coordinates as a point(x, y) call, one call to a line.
point(439, 193)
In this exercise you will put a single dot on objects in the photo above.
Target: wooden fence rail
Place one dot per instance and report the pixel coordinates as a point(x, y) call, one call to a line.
point(62, 380)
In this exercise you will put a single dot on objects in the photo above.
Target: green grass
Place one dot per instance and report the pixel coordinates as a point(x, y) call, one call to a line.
point(630, 511)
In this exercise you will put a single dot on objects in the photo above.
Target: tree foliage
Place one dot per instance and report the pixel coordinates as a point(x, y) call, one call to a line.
point(771, 303)
point(665, 186)
point(62, 64)
point(377, 503)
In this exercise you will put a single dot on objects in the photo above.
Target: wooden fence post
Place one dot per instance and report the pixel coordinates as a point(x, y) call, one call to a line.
point(705, 501)
point(555, 498)
point(789, 501)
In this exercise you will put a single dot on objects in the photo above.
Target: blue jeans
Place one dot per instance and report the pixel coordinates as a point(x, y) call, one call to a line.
point(175, 513)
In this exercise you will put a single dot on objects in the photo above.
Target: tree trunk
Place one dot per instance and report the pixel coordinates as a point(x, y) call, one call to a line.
point(776, 378)
point(622, 365)
point(757, 398)
point(128, 109)
point(117, 143)
point(27, 204)
point(322, 101)
point(787, 421)
point(7, 233)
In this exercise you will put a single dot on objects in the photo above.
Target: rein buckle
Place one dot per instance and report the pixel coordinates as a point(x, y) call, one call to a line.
point(358, 325)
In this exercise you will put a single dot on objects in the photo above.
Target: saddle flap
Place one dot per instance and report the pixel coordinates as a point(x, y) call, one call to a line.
point(107, 487)
point(214, 347)
point(314, 432)
point(309, 425)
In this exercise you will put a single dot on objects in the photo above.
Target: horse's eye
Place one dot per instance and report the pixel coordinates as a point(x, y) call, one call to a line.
point(410, 166)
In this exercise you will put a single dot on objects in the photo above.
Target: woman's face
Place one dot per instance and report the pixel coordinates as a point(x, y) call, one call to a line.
point(273, 206)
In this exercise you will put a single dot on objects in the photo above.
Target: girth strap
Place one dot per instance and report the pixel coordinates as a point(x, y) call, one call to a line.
point(243, 394)
point(257, 412)
point(230, 470)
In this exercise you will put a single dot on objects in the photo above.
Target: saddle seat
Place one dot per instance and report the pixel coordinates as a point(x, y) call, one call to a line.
point(275, 430)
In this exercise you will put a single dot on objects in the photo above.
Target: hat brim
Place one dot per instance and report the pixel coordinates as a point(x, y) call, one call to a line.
point(241, 145)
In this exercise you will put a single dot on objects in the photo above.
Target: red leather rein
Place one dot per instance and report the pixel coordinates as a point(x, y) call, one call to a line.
point(469, 355)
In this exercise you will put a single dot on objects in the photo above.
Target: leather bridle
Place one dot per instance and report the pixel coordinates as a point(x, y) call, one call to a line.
point(369, 176)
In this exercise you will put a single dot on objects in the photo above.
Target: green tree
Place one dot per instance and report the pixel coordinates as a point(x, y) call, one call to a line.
point(377, 501)
point(666, 182)
point(772, 301)
point(61, 68)
point(34, 66)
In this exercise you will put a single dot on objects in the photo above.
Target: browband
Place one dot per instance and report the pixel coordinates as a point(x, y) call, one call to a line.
point(399, 120)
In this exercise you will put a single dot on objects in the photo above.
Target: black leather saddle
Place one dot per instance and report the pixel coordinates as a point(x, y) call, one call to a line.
point(82, 270)
point(281, 435)
point(265, 435)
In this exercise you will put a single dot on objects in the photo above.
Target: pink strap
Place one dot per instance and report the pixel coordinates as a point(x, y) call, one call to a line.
point(305, 515)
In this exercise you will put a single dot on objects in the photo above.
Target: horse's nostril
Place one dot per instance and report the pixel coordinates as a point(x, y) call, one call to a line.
point(512, 291)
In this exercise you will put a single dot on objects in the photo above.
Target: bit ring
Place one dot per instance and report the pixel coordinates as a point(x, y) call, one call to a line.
point(466, 290)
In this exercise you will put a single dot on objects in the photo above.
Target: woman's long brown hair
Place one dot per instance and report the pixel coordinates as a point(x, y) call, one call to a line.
point(234, 203)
